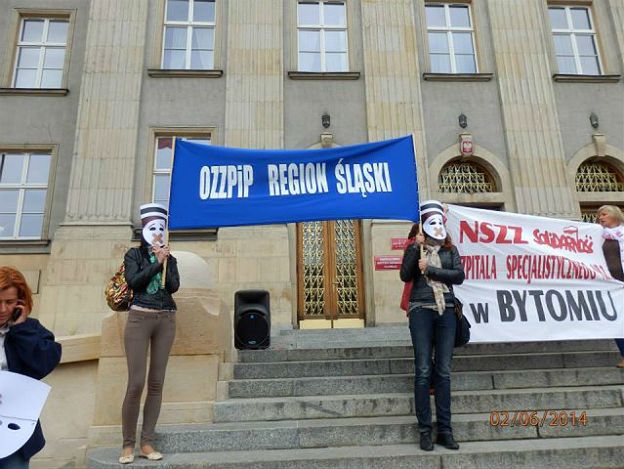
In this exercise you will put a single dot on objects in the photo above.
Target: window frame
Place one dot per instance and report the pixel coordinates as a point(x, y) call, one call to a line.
point(448, 29)
point(572, 33)
point(611, 164)
point(322, 28)
point(478, 168)
point(292, 14)
point(594, 199)
point(51, 150)
point(155, 134)
point(158, 40)
point(18, 16)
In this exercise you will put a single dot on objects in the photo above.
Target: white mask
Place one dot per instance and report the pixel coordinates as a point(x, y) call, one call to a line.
point(434, 227)
point(154, 232)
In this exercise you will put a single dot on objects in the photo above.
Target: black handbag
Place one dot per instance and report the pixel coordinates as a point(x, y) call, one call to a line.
point(462, 330)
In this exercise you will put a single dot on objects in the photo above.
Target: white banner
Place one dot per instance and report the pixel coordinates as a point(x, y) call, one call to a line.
point(534, 278)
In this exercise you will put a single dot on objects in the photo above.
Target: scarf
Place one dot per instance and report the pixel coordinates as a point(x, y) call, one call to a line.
point(439, 289)
point(616, 234)
point(156, 281)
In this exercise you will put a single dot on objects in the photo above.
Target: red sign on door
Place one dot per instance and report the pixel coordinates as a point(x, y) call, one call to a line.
point(398, 243)
point(388, 262)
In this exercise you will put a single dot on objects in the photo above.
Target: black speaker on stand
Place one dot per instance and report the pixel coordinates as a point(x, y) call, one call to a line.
point(252, 319)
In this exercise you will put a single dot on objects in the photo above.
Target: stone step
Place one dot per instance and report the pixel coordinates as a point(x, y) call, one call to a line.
point(587, 452)
point(405, 351)
point(403, 383)
point(384, 366)
point(372, 431)
point(388, 331)
point(463, 402)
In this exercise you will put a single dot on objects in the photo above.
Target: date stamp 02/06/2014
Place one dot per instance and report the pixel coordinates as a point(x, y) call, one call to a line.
point(538, 418)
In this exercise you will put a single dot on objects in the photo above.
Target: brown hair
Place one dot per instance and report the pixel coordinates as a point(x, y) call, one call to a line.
point(10, 277)
point(448, 242)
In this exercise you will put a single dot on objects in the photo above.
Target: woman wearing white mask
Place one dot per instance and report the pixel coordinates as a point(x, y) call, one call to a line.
point(432, 320)
point(151, 322)
point(612, 220)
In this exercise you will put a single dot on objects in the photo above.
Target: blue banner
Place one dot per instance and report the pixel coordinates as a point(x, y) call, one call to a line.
point(217, 186)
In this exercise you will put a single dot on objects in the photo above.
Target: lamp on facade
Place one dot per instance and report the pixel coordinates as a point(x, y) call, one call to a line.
point(463, 120)
point(593, 120)
point(326, 120)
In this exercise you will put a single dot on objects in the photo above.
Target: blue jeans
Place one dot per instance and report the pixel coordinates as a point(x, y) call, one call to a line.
point(428, 330)
point(620, 345)
point(14, 461)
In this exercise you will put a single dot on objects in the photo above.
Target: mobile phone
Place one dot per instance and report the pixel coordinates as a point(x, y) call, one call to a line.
point(17, 312)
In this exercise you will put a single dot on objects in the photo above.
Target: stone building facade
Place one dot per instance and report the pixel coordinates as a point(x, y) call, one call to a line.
point(514, 104)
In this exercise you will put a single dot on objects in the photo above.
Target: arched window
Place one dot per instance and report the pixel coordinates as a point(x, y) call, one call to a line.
point(594, 176)
point(597, 176)
point(461, 177)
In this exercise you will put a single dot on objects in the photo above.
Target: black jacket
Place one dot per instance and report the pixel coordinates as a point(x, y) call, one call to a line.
point(139, 272)
point(451, 273)
point(611, 250)
point(31, 351)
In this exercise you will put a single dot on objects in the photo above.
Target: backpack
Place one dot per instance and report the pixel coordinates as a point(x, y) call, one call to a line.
point(118, 294)
point(407, 290)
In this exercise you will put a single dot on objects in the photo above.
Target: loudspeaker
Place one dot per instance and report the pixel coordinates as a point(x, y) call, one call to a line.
point(252, 319)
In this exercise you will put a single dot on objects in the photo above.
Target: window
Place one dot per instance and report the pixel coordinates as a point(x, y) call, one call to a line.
point(451, 39)
point(163, 161)
point(40, 54)
point(594, 176)
point(465, 178)
point(588, 211)
point(23, 190)
point(575, 40)
point(322, 37)
point(189, 35)
point(598, 179)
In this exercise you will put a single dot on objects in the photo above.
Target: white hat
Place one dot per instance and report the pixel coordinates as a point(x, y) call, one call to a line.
point(429, 207)
point(153, 211)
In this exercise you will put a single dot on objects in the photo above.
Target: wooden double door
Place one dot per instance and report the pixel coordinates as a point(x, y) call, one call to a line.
point(329, 270)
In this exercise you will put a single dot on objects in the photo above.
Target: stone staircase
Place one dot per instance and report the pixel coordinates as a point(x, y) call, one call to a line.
point(337, 399)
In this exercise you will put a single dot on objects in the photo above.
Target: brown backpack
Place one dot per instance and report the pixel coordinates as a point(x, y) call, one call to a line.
point(118, 294)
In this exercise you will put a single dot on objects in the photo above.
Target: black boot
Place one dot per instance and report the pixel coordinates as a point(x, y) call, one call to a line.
point(426, 443)
point(446, 440)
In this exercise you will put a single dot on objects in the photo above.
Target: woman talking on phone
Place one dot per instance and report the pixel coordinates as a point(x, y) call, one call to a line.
point(26, 347)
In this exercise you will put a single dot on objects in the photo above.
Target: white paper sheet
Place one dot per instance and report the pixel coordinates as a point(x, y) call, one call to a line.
point(21, 402)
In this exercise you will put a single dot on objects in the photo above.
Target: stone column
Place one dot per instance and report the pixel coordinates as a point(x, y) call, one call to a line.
point(394, 109)
point(255, 257)
point(617, 13)
point(393, 93)
point(101, 186)
point(90, 244)
point(520, 32)
point(254, 103)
